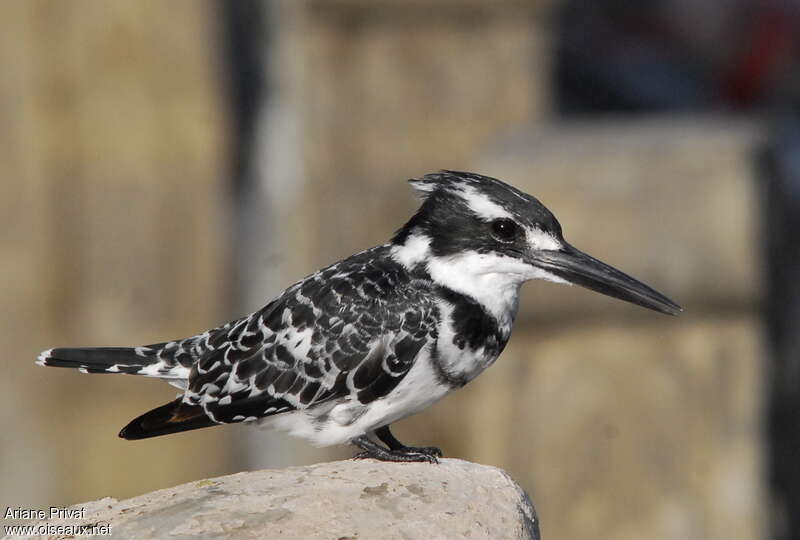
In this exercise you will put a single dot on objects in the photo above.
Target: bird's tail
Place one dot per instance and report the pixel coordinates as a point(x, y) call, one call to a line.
point(134, 361)
point(173, 417)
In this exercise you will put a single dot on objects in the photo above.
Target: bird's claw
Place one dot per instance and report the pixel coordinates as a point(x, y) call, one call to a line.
point(427, 450)
point(410, 455)
point(396, 451)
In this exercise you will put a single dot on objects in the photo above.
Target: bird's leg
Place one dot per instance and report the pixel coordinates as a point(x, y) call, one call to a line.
point(396, 446)
point(373, 450)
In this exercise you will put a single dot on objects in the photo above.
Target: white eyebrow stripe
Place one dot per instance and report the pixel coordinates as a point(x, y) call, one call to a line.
point(539, 239)
point(482, 205)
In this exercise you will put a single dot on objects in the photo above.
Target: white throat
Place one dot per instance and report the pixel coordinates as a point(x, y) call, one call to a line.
point(490, 279)
point(472, 274)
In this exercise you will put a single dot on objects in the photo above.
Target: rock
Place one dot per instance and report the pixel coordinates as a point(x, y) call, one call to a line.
point(338, 500)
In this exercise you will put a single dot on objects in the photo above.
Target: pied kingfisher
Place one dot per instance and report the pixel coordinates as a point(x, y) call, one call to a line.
point(376, 337)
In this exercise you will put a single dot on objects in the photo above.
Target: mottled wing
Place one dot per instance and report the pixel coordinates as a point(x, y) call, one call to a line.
point(352, 330)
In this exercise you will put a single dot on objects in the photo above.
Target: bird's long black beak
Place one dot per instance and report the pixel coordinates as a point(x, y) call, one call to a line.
point(578, 268)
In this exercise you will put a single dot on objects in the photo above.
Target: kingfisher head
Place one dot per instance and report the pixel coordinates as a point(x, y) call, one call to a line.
point(484, 238)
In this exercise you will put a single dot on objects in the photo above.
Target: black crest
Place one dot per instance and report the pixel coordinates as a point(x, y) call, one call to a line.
point(445, 215)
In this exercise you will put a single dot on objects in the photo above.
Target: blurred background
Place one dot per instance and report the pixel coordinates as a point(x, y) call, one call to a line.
point(169, 166)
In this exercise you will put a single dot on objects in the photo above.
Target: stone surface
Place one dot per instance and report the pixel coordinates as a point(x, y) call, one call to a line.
point(338, 500)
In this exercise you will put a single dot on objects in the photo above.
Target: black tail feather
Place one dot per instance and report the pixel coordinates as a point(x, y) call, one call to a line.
point(96, 359)
point(173, 417)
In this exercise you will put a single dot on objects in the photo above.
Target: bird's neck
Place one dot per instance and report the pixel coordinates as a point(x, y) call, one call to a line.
point(468, 273)
point(497, 293)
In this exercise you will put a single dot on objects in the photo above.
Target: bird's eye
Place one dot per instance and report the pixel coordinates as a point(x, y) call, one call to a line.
point(504, 229)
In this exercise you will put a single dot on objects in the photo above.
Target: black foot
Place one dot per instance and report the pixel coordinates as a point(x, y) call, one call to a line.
point(397, 451)
point(386, 436)
point(427, 450)
point(398, 457)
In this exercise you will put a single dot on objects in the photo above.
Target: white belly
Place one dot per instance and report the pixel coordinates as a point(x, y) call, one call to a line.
point(340, 421)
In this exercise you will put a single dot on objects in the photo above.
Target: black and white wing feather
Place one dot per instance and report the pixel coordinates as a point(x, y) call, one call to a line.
point(352, 330)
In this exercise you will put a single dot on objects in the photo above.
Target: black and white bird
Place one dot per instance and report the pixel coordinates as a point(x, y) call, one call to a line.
point(376, 337)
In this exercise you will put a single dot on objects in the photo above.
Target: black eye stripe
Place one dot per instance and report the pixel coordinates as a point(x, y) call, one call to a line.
point(504, 229)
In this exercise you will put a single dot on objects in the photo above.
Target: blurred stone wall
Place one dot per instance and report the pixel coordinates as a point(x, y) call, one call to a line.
point(113, 232)
point(622, 423)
